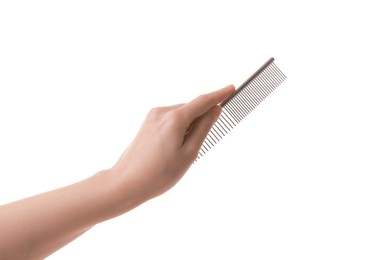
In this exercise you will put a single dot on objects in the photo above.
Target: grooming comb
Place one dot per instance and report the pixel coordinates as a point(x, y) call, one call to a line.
point(243, 101)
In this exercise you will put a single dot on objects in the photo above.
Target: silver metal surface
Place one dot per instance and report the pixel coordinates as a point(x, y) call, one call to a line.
point(243, 101)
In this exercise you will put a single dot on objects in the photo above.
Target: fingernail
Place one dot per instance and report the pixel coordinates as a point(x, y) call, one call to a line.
point(230, 86)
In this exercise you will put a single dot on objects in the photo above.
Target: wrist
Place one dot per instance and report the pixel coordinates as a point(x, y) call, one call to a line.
point(125, 194)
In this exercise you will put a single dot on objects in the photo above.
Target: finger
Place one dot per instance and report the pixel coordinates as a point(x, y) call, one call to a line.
point(201, 128)
point(159, 111)
point(204, 103)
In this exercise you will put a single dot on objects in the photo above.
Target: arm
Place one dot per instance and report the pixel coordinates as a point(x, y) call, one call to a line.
point(155, 161)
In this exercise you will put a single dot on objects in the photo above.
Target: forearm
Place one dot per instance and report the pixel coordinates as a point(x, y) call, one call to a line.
point(165, 147)
point(35, 227)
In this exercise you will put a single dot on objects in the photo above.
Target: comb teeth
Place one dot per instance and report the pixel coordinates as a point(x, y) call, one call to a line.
point(243, 101)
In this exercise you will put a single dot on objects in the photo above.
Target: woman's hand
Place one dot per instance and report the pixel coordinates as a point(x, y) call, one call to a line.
point(163, 150)
point(167, 144)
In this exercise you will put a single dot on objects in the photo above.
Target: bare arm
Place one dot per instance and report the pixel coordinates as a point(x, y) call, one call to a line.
point(158, 157)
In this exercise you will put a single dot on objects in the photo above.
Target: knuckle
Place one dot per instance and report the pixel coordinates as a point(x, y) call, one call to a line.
point(174, 123)
point(174, 119)
point(154, 112)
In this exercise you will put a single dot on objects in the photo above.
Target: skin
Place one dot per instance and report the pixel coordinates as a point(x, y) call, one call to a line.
point(160, 154)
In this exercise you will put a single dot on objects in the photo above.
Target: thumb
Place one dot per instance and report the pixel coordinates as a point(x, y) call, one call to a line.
point(201, 128)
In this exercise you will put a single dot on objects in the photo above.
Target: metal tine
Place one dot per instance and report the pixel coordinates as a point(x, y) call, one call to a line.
point(276, 68)
point(243, 92)
point(206, 143)
point(246, 98)
point(230, 108)
point(266, 81)
point(248, 108)
point(227, 121)
point(209, 144)
point(264, 86)
point(256, 99)
point(257, 92)
point(245, 108)
point(269, 75)
point(253, 91)
point(219, 130)
point(240, 99)
point(252, 86)
point(262, 90)
point(275, 78)
point(277, 73)
point(230, 117)
point(213, 131)
point(270, 79)
point(218, 123)
point(230, 111)
point(238, 103)
point(212, 138)
point(238, 112)
point(250, 98)
point(210, 134)
point(201, 148)
point(227, 118)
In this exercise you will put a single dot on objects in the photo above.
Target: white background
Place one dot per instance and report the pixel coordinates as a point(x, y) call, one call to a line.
point(305, 176)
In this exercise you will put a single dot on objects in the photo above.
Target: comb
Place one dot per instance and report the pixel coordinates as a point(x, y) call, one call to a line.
point(243, 101)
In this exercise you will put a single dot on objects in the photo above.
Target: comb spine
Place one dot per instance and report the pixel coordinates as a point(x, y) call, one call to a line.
point(248, 80)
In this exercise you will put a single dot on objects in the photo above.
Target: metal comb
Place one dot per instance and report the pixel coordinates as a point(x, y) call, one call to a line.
point(243, 101)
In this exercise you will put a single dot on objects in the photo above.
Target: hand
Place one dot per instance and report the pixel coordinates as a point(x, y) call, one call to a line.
point(165, 147)
point(167, 144)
